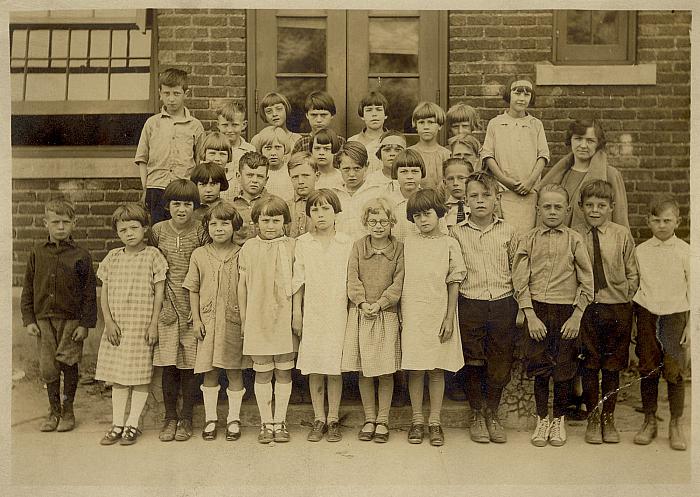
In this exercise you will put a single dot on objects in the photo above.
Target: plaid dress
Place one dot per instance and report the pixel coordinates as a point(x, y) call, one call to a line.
point(130, 280)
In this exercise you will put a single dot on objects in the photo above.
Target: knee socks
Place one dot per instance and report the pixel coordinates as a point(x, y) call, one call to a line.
point(53, 390)
point(138, 401)
point(474, 376)
point(676, 398)
point(562, 393)
point(283, 391)
point(367, 395)
point(415, 392)
point(263, 395)
point(317, 389)
point(386, 390)
point(542, 395)
point(119, 397)
point(436, 388)
point(589, 377)
point(235, 399)
point(211, 397)
point(171, 385)
point(650, 394)
point(188, 385)
point(70, 381)
point(335, 392)
point(609, 386)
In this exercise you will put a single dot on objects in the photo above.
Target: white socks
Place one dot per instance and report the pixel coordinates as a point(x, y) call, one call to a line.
point(282, 393)
point(119, 397)
point(235, 399)
point(211, 396)
point(138, 400)
point(263, 395)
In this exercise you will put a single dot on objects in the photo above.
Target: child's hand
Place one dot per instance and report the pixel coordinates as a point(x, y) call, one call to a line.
point(113, 333)
point(80, 334)
point(446, 329)
point(374, 309)
point(536, 328)
point(199, 330)
point(571, 327)
point(152, 334)
point(142, 199)
point(33, 330)
point(685, 337)
point(297, 323)
point(520, 318)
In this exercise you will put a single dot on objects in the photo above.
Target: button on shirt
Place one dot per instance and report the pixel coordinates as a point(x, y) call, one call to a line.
point(244, 208)
point(552, 266)
point(168, 147)
point(300, 222)
point(664, 272)
point(59, 283)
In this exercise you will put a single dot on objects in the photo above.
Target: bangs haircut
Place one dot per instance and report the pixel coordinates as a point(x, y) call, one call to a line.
point(206, 171)
point(580, 126)
point(462, 112)
point(407, 158)
point(553, 187)
point(355, 151)
point(215, 140)
point(378, 205)
point(319, 100)
point(271, 205)
point(173, 77)
point(662, 203)
point(468, 141)
point(321, 197)
point(60, 207)
point(455, 162)
point(598, 188)
point(507, 88)
point(426, 110)
point(273, 98)
point(484, 178)
point(181, 190)
point(226, 212)
point(300, 158)
point(272, 134)
point(387, 134)
point(230, 109)
point(130, 212)
point(253, 160)
point(326, 137)
point(423, 201)
point(373, 98)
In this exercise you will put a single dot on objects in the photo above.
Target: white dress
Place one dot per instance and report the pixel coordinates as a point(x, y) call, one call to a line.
point(323, 273)
point(431, 263)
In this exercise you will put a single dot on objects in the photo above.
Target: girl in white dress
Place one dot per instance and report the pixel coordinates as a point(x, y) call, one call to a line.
point(319, 282)
point(430, 340)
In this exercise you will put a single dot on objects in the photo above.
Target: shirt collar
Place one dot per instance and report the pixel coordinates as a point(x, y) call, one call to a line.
point(387, 252)
point(262, 193)
point(655, 242)
point(602, 228)
point(187, 118)
point(453, 201)
point(297, 198)
point(68, 242)
point(468, 222)
point(542, 228)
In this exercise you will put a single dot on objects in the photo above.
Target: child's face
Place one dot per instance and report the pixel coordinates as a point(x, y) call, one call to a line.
point(552, 207)
point(461, 151)
point(481, 200)
point(181, 211)
point(427, 221)
point(373, 116)
point(209, 191)
point(456, 180)
point(664, 225)
point(270, 227)
point(131, 233)
point(276, 115)
point(319, 119)
point(303, 179)
point(173, 98)
point(408, 178)
point(461, 128)
point(379, 225)
point(353, 173)
point(219, 157)
point(520, 97)
point(584, 146)
point(232, 129)
point(390, 148)
point(60, 226)
point(322, 216)
point(427, 129)
point(596, 210)
point(274, 152)
point(253, 180)
point(322, 153)
point(220, 230)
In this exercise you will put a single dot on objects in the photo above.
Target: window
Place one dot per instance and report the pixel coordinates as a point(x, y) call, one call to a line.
point(594, 36)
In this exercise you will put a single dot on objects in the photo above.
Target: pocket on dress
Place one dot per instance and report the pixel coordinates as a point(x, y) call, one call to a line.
point(233, 314)
point(167, 313)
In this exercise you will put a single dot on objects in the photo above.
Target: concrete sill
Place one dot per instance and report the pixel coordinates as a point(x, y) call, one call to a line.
point(550, 75)
point(73, 167)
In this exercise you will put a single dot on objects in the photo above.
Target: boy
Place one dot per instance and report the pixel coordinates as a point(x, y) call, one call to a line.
point(230, 118)
point(167, 147)
point(428, 118)
point(486, 306)
point(455, 173)
point(253, 176)
point(553, 283)
point(462, 120)
point(372, 109)
point(303, 172)
point(58, 307)
point(320, 110)
point(661, 307)
point(606, 326)
point(466, 148)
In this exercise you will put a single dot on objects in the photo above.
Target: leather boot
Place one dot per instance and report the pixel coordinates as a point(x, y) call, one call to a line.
point(67, 422)
point(648, 431)
point(675, 434)
point(610, 433)
point(593, 430)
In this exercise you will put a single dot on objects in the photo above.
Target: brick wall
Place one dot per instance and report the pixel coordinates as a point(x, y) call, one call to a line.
point(647, 127)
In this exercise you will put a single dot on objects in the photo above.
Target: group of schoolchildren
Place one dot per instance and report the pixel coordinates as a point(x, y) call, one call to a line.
point(331, 256)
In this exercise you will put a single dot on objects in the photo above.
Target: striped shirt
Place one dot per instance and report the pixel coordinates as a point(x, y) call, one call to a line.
point(488, 254)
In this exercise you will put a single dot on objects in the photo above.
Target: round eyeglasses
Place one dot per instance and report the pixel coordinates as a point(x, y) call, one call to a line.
point(382, 222)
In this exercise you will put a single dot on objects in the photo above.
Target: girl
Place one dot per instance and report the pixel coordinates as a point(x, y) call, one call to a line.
point(324, 146)
point(216, 149)
point(372, 345)
point(265, 300)
point(467, 148)
point(274, 109)
point(430, 336)
point(515, 150)
point(428, 119)
point(210, 179)
point(319, 281)
point(273, 144)
point(462, 119)
point(212, 281)
point(132, 295)
point(408, 169)
point(177, 346)
point(390, 144)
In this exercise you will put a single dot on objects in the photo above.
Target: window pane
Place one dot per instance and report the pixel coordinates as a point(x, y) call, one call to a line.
point(393, 45)
point(118, 43)
point(139, 62)
point(578, 27)
point(78, 43)
point(78, 62)
point(39, 45)
point(118, 62)
point(19, 43)
point(99, 43)
point(16, 86)
point(296, 89)
point(605, 27)
point(402, 94)
point(59, 43)
point(139, 44)
point(46, 87)
point(87, 87)
point(301, 45)
point(130, 86)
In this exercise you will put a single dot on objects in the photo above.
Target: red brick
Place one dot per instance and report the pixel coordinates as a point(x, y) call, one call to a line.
point(210, 45)
point(174, 45)
point(190, 33)
point(209, 92)
point(174, 20)
point(209, 20)
point(192, 57)
point(227, 33)
point(31, 209)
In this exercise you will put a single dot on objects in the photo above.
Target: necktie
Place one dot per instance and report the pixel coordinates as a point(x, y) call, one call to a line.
point(460, 211)
point(599, 281)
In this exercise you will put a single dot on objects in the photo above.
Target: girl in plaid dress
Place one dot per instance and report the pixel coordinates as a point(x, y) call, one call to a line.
point(177, 346)
point(372, 346)
point(132, 295)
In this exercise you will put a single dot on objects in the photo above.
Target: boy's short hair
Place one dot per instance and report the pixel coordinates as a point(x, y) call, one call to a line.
point(598, 188)
point(468, 141)
point(462, 112)
point(215, 140)
point(300, 158)
point(507, 88)
point(377, 206)
point(271, 134)
point(353, 150)
point(372, 98)
point(182, 190)
point(253, 160)
point(553, 187)
point(484, 178)
point(426, 110)
point(326, 137)
point(663, 202)
point(271, 205)
point(387, 134)
point(205, 171)
point(130, 211)
point(229, 109)
point(454, 162)
point(173, 77)
point(273, 98)
point(319, 100)
point(60, 207)
point(580, 126)
point(407, 158)
point(320, 197)
point(424, 200)
point(222, 210)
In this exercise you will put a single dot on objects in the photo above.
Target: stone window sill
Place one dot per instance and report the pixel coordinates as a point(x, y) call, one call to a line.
point(639, 74)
